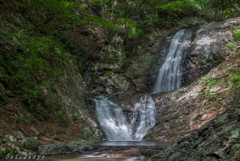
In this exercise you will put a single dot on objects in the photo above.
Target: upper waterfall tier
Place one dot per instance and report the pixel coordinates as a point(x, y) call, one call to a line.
point(169, 75)
point(115, 124)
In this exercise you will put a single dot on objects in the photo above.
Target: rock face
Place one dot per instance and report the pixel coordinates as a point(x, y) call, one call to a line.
point(217, 140)
point(208, 49)
point(144, 68)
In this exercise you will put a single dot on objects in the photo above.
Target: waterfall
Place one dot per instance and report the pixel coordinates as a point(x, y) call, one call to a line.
point(169, 75)
point(110, 115)
point(115, 124)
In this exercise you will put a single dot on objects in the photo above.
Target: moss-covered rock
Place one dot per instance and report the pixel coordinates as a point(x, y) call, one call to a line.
point(31, 143)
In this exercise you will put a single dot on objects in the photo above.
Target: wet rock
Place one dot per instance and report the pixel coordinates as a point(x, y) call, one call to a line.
point(116, 82)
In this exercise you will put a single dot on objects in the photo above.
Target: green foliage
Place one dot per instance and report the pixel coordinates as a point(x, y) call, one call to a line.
point(33, 64)
point(235, 79)
point(231, 45)
point(237, 33)
point(173, 6)
point(101, 22)
point(45, 14)
point(124, 62)
point(209, 94)
point(217, 105)
point(62, 117)
point(74, 116)
point(92, 73)
point(198, 3)
point(210, 83)
point(223, 4)
point(134, 32)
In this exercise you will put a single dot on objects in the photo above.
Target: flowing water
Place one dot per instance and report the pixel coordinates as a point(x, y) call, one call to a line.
point(169, 75)
point(115, 124)
point(115, 151)
point(125, 137)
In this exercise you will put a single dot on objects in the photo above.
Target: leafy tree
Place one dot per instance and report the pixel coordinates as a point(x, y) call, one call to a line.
point(224, 4)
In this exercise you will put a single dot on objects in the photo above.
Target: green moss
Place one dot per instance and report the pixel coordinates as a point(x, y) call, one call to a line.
point(231, 45)
point(207, 105)
point(188, 110)
point(33, 62)
point(197, 117)
point(237, 33)
point(217, 105)
point(201, 64)
point(13, 151)
point(62, 117)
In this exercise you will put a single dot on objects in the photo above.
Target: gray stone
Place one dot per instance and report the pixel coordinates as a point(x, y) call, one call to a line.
point(18, 135)
point(204, 117)
point(12, 139)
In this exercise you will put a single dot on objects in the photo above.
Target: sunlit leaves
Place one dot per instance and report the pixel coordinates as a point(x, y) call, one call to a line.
point(237, 33)
point(174, 6)
point(101, 22)
point(198, 3)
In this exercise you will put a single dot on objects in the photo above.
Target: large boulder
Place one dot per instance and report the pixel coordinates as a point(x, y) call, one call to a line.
point(31, 143)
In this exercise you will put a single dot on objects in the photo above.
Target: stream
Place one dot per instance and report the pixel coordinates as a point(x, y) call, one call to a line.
point(116, 151)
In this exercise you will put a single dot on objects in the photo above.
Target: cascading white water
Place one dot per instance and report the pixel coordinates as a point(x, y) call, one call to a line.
point(143, 117)
point(169, 75)
point(115, 124)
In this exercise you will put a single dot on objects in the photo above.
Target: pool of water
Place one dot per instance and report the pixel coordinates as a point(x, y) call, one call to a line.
point(114, 151)
point(128, 143)
point(95, 157)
